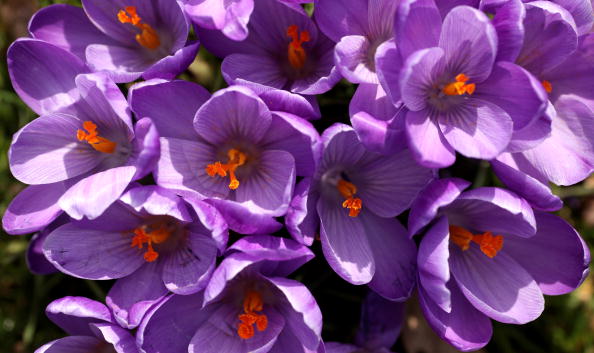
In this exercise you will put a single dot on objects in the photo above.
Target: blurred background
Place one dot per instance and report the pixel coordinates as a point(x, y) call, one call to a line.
point(567, 325)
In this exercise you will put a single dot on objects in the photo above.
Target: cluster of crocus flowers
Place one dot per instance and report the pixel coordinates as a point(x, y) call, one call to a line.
point(144, 188)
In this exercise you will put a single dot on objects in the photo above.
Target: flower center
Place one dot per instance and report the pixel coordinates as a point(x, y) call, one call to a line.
point(348, 190)
point(296, 52)
point(490, 245)
point(155, 233)
point(92, 137)
point(147, 37)
point(547, 86)
point(252, 304)
point(236, 158)
point(459, 87)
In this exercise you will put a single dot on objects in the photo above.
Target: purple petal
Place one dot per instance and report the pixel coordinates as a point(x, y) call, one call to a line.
point(388, 63)
point(427, 144)
point(434, 269)
point(469, 41)
point(47, 151)
point(74, 314)
point(33, 208)
point(345, 243)
point(211, 221)
point(301, 312)
point(302, 220)
point(91, 196)
point(420, 71)
point(464, 327)
point(132, 296)
point(492, 209)
point(156, 201)
point(120, 63)
point(234, 112)
point(354, 60)
point(121, 339)
point(341, 147)
point(280, 100)
point(91, 254)
point(556, 256)
point(439, 193)
point(259, 69)
point(187, 269)
point(417, 26)
point(380, 323)
point(499, 287)
point(146, 149)
point(243, 220)
point(393, 254)
point(338, 19)
point(231, 18)
point(581, 11)
point(477, 129)
point(170, 105)
point(172, 65)
point(52, 86)
point(72, 344)
point(36, 261)
point(508, 17)
point(534, 133)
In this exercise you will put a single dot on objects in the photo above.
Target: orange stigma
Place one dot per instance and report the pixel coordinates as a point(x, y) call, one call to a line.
point(489, 244)
point(147, 37)
point(459, 87)
point(348, 190)
point(296, 52)
point(236, 159)
point(547, 86)
point(252, 304)
point(156, 234)
point(92, 137)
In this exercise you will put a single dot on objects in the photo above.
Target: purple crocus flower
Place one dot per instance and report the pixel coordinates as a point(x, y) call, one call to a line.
point(458, 97)
point(229, 17)
point(152, 240)
point(91, 327)
point(82, 152)
point(284, 50)
point(233, 150)
point(127, 39)
point(486, 255)
point(379, 327)
point(248, 306)
point(353, 199)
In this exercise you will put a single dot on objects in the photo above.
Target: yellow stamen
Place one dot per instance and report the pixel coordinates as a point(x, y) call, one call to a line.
point(236, 159)
point(147, 37)
point(92, 137)
point(459, 87)
point(489, 244)
point(348, 190)
point(297, 55)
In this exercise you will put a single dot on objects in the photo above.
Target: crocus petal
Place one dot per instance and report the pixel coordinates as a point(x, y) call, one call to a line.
point(243, 220)
point(439, 193)
point(218, 333)
point(156, 201)
point(353, 59)
point(270, 186)
point(508, 22)
point(172, 65)
point(499, 287)
point(182, 167)
point(121, 64)
point(121, 339)
point(47, 151)
point(477, 129)
point(36, 261)
point(393, 255)
point(302, 314)
point(338, 19)
point(427, 143)
point(145, 149)
point(91, 196)
point(492, 209)
point(469, 41)
point(556, 256)
point(533, 134)
point(388, 63)
point(170, 105)
point(516, 91)
point(95, 255)
point(419, 72)
point(211, 221)
point(74, 314)
point(170, 325)
point(539, 195)
point(254, 68)
point(302, 220)
point(67, 27)
point(280, 100)
point(234, 112)
point(132, 296)
point(71, 344)
point(381, 322)
point(417, 26)
point(52, 86)
point(187, 270)
point(464, 327)
point(231, 18)
point(33, 208)
point(434, 269)
point(345, 243)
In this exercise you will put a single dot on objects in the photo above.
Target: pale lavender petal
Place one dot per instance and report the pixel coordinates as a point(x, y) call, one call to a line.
point(229, 17)
point(36, 261)
point(211, 220)
point(302, 220)
point(426, 142)
point(417, 26)
point(121, 339)
point(156, 201)
point(259, 69)
point(388, 63)
point(338, 19)
point(172, 65)
point(71, 344)
point(354, 60)
point(120, 63)
point(74, 314)
point(508, 17)
point(242, 220)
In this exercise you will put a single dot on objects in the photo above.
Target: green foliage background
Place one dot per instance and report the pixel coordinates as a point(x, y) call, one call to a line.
point(567, 325)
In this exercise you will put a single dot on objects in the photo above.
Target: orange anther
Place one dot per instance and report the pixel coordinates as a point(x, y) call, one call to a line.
point(252, 303)
point(147, 37)
point(296, 53)
point(459, 87)
point(348, 190)
point(236, 158)
point(489, 244)
point(157, 234)
point(92, 137)
point(547, 86)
